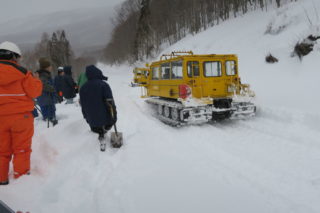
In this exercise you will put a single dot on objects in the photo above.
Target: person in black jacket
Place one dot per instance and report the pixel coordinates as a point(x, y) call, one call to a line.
point(68, 85)
point(47, 99)
point(96, 99)
point(58, 84)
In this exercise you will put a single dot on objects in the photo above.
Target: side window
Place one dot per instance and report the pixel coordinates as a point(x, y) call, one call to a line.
point(155, 73)
point(176, 70)
point(193, 68)
point(231, 68)
point(165, 71)
point(146, 73)
point(212, 68)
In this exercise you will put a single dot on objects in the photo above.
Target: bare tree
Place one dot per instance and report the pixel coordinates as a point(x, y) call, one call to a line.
point(142, 26)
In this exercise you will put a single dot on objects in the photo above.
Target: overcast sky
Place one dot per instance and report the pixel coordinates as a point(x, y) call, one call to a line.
point(11, 9)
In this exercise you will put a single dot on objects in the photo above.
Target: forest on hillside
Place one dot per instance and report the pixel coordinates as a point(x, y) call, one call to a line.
point(143, 26)
point(57, 49)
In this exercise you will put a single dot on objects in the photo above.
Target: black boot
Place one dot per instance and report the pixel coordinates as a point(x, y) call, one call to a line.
point(4, 182)
point(54, 122)
point(101, 137)
point(102, 142)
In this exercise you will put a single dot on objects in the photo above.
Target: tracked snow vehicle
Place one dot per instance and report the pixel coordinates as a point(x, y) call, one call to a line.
point(194, 89)
point(140, 76)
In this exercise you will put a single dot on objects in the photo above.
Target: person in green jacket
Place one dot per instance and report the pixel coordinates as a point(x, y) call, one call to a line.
point(82, 79)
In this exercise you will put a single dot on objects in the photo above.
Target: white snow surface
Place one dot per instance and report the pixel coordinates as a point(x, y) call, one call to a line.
point(269, 163)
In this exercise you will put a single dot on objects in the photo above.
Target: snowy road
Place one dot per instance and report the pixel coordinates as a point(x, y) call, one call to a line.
point(266, 164)
point(269, 163)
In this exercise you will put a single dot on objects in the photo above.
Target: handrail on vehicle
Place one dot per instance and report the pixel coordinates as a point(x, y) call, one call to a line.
point(175, 53)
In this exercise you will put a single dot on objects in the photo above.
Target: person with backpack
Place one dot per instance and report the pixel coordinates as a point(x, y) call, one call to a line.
point(68, 85)
point(18, 88)
point(58, 84)
point(96, 99)
point(48, 98)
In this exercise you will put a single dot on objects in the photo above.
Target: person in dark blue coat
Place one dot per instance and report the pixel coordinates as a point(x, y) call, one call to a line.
point(58, 84)
point(68, 85)
point(47, 99)
point(96, 99)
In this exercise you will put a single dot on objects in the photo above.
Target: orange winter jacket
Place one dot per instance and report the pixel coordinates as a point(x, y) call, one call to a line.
point(17, 88)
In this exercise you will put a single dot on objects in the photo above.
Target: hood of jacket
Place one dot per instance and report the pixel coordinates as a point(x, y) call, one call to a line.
point(67, 70)
point(43, 72)
point(92, 72)
point(9, 73)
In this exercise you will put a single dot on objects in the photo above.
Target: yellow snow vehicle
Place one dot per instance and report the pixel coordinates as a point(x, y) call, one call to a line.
point(140, 76)
point(193, 89)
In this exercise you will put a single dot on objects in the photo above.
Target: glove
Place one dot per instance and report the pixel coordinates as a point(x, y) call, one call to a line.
point(112, 109)
point(35, 113)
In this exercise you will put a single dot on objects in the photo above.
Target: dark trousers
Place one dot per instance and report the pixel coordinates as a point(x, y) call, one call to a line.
point(101, 130)
point(48, 112)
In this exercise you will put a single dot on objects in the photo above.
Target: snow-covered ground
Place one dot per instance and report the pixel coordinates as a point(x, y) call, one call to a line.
point(269, 163)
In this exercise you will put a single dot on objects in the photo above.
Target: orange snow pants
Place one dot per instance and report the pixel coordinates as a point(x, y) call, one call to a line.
point(16, 133)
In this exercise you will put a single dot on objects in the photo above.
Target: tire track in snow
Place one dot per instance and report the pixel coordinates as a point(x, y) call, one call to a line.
point(264, 130)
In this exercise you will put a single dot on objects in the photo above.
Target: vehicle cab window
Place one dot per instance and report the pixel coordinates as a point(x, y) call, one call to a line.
point(177, 72)
point(165, 71)
point(212, 68)
point(193, 68)
point(231, 68)
point(155, 73)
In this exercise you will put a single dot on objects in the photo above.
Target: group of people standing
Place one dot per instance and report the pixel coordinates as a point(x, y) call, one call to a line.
point(21, 90)
point(54, 90)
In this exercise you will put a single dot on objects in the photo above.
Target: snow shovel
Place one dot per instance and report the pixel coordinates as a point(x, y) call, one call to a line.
point(116, 138)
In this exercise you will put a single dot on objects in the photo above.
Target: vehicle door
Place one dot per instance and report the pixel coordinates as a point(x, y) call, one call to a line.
point(194, 79)
point(154, 89)
point(231, 79)
point(213, 82)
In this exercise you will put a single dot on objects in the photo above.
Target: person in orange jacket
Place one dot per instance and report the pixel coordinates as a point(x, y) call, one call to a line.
point(18, 88)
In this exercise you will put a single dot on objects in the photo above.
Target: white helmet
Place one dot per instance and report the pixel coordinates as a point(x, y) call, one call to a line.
point(7, 45)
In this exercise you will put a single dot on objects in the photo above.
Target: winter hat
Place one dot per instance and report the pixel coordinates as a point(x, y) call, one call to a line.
point(60, 69)
point(44, 63)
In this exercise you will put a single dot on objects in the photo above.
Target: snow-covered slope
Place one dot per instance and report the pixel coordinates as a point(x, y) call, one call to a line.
point(269, 163)
point(289, 83)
